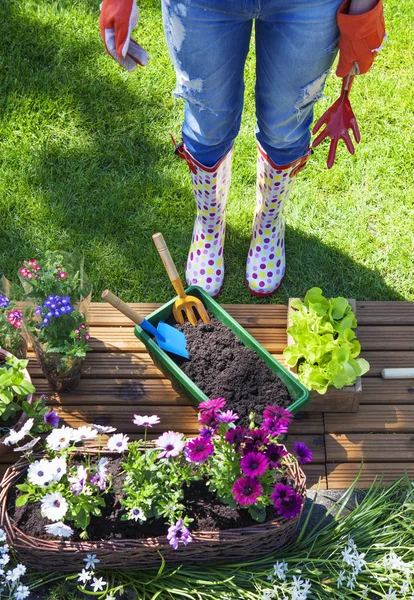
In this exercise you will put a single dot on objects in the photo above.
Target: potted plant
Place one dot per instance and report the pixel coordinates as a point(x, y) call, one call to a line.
point(16, 396)
point(56, 318)
point(207, 499)
point(323, 350)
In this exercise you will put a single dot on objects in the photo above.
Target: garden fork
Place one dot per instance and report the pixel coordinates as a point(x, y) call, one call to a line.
point(184, 305)
point(338, 119)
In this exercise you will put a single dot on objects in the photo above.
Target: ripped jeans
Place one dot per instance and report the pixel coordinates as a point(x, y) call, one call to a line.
point(296, 44)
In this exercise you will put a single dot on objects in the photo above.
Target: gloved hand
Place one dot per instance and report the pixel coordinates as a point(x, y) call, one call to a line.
point(118, 18)
point(361, 37)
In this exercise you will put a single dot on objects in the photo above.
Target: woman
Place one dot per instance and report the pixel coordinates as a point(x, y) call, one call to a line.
point(296, 44)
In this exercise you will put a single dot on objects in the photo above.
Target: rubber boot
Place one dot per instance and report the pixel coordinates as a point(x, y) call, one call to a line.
point(266, 260)
point(205, 263)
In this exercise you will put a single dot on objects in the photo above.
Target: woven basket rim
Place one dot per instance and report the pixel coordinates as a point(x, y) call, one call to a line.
point(20, 539)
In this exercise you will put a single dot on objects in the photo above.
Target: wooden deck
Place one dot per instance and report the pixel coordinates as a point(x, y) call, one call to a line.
point(120, 380)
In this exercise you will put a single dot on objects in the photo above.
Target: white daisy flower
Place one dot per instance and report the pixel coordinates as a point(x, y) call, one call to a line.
point(98, 584)
point(58, 468)
point(91, 561)
point(59, 529)
point(27, 446)
point(84, 576)
point(39, 472)
point(78, 481)
point(16, 573)
point(103, 428)
point(21, 569)
point(60, 438)
point(15, 436)
point(22, 592)
point(3, 536)
point(54, 506)
point(137, 514)
point(118, 443)
point(4, 560)
point(84, 433)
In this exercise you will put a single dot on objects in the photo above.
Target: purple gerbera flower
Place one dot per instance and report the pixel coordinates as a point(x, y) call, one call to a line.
point(274, 453)
point(283, 415)
point(209, 418)
point(206, 432)
point(247, 490)
point(215, 404)
point(178, 533)
point(199, 449)
point(51, 418)
point(254, 464)
point(171, 444)
point(228, 416)
point(302, 452)
point(4, 301)
point(255, 439)
point(286, 501)
point(274, 426)
point(236, 436)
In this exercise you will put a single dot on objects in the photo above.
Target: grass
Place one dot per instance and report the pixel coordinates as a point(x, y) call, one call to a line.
point(87, 164)
point(379, 523)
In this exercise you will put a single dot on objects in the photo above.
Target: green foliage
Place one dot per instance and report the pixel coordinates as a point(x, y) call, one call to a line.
point(325, 349)
point(14, 387)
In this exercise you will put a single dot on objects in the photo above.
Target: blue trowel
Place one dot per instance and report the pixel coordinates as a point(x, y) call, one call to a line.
point(167, 337)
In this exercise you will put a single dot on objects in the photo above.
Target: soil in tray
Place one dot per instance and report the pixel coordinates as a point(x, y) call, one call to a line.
point(221, 366)
point(203, 506)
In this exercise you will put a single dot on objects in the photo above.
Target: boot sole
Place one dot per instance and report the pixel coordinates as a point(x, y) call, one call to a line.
point(258, 294)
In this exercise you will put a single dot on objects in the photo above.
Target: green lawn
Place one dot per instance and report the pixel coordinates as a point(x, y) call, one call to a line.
point(87, 164)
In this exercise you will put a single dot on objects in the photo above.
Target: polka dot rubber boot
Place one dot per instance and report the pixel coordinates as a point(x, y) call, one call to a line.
point(205, 263)
point(266, 260)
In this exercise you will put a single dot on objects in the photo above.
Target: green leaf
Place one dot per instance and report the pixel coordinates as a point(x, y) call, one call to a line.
point(22, 500)
point(23, 487)
point(338, 307)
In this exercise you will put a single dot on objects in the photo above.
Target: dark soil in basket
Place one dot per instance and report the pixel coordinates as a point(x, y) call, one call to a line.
point(203, 506)
point(221, 366)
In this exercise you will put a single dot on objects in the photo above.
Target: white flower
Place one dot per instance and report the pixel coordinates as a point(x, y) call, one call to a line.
point(39, 472)
point(60, 438)
point(405, 587)
point(58, 467)
point(103, 428)
point(348, 556)
point(54, 506)
point(98, 584)
point(350, 582)
point(84, 576)
point(118, 443)
point(102, 471)
point(16, 573)
point(359, 562)
point(91, 561)
point(341, 579)
point(3, 536)
point(297, 582)
point(280, 569)
point(365, 591)
point(390, 595)
point(22, 592)
point(4, 560)
point(15, 436)
point(59, 529)
point(137, 514)
point(79, 480)
point(27, 446)
point(84, 433)
point(4, 549)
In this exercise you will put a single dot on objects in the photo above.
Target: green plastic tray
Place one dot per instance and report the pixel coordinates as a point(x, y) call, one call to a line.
point(184, 384)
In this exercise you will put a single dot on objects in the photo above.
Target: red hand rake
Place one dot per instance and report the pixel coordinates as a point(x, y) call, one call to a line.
point(339, 118)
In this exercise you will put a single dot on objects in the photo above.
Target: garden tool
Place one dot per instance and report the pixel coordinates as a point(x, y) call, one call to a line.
point(402, 373)
point(168, 338)
point(184, 304)
point(338, 119)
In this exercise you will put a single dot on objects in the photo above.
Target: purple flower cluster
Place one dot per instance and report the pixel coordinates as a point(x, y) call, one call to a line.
point(53, 307)
point(4, 301)
point(211, 414)
point(286, 501)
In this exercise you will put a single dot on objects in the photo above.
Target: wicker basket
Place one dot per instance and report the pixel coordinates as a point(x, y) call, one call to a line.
point(23, 416)
point(208, 547)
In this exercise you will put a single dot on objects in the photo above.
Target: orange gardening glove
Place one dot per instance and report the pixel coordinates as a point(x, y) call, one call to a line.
point(360, 38)
point(118, 18)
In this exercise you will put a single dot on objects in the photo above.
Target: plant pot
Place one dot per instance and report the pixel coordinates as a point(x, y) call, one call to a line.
point(346, 399)
point(23, 416)
point(183, 384)
point(208, 547)
point(62, 372)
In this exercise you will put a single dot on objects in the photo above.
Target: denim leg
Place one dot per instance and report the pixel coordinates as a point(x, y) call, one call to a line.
point(296, 44)
point(208, 41)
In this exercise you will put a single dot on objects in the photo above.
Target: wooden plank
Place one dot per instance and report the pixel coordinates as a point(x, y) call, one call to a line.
point(248, 315)
point(314, 474)
point(387, 391)
point(370, 447)
point(372, 418)
point(341, 476)
point(386, 337)
point(315, 443)
point(380, 359)
point(385, 313)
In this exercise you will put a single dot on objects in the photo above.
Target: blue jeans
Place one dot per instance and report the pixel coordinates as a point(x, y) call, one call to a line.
point(296, 44)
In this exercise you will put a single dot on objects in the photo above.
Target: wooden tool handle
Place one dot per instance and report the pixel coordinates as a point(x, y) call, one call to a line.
point(404, 373)
point(169, 264)
point(122, 307)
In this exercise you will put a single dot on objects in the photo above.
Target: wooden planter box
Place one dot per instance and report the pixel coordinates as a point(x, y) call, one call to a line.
point(345, 400)
point(207, 547)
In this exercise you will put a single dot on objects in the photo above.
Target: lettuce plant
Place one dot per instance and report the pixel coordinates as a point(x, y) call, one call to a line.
point(325, 350)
